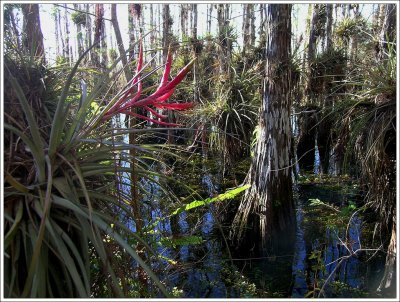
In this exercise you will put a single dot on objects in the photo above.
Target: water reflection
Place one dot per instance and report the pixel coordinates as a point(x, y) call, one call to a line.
point(300, 255)
point(199, 267)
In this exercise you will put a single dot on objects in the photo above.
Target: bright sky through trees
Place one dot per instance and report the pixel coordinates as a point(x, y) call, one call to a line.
point(48, 27)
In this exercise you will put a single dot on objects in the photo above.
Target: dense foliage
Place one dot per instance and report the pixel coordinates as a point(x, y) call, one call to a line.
point(106, 149)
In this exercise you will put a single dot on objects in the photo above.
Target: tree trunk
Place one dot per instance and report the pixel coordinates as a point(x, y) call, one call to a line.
point(195, 52)
point(225, 43)
point(388, 35)
point(62, 40)
point(353, 45)
point(68, 52)
point(311, 50)
point(152, 35)
point(252, 25)
point(194, 22)
point(131, 32)
point(167, 25)
point(389, 276)
point(267, 207)
point(33, 37)
point(246, 26)
point(262, 23)
point(328, 31)
point(103, 45)
point(209, 17)
point(98, 28)
point(56, 30)
point(10, 26)
point(166, 40)
point(120, 43)
point(184, 21)
point(159, 31)
point(388, 29)
point(324, 123)
point(88, 25)
point(79, 37)
point(308, 122)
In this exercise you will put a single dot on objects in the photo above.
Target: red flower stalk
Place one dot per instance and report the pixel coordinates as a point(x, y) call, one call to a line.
point(132, 98)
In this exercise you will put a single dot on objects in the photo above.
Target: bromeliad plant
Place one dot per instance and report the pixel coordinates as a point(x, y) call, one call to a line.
point(132, 98)
point(62, 232)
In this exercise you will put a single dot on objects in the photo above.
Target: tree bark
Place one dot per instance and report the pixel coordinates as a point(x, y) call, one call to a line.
point(88, 25)
point(389, 275)
point(246, 26)
point(131, 32)
point(167, 25)
point(152, 35)
point(184, 21)
point(68, 52)
point(56, 30)
point(33, 37)
point(209, 17)
point(307, 133)
point(329, 21)
point(225, 43)
point(194, 22)
point(195, 52)
point(388, 35)
point(120, 43)
point(79, 37)
point(267, 207)
point(388, 29)
point(166, 40)
point(252, 26)
point(98, 28)
point(262, 23)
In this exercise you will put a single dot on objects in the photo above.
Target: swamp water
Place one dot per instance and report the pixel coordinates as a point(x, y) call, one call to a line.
point(197, 263)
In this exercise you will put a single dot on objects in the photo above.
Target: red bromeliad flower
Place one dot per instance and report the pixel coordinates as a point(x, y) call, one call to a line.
point(132, 98)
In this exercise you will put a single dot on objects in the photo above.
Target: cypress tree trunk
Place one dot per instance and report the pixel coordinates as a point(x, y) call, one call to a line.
point(88, 25)
point(166, 32)
point(68, 52)
point(246, 26)
point(166, 39)
point(98, 24)
point(194, 21)
point(388, 29)
point(308, 122)
point(103, 44)
point(33, 37)
point(267, 207)
point(152, 34)
point(120, 43)
point(79, 37)
point(329, 21)
point(388, 35)
point(195, 51)
point(209, 16)
point(225, 43)
point(252, 26)
point(56, 30)
point(184, 21)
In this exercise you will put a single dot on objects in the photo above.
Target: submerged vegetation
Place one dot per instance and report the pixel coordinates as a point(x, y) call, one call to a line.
point(180, 166)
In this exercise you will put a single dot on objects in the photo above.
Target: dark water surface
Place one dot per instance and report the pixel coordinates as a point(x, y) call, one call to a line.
point(323, 256)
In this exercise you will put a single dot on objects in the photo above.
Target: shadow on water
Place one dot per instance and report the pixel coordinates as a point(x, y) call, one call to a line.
point(322, 250)
point(328, 252)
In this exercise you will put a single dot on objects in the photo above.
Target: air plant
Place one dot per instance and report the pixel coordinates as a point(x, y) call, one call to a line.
point(132, 96)
point(60, 198)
